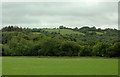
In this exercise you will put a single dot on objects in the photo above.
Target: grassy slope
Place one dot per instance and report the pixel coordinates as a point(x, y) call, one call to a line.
point(99, 33)
point(64, 31)
point(59, 66)
point(37, 33)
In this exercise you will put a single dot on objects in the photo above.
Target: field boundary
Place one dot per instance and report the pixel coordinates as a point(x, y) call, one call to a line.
point(59, 76)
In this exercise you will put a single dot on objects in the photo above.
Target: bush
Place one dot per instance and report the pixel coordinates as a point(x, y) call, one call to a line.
point(49, 48)
point(70, 48)
point(114, 51)
point(101, 49)
point(6, 50)
point(85, 51)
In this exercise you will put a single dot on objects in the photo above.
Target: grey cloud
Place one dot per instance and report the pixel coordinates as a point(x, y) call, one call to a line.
point(52, 14)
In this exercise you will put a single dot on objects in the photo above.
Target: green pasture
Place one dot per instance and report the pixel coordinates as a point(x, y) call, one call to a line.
point(64, 31)
point(99, 33)
point(59, 66)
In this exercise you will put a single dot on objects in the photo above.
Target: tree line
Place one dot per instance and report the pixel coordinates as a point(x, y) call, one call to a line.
point(26, 42)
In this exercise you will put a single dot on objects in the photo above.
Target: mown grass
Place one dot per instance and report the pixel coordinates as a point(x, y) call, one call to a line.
point(64, 31)
point(59, 66)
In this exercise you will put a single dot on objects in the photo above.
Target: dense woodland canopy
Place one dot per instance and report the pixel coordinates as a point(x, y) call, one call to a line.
point(62, 41)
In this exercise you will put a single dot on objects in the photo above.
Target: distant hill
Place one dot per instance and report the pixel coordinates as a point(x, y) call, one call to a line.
point(63, 41)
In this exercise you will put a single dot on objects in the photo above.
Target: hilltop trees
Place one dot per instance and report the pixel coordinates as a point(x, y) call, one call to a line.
point(11, 28)
point(62, 27)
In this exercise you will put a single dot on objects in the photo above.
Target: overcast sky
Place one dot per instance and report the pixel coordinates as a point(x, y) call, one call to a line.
point(54, 14)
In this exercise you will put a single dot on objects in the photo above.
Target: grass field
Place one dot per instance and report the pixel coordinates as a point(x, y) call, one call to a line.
point(64, 31)
point(99, 33)
point(59, 66)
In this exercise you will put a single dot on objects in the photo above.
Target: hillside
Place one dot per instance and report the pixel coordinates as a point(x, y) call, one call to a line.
point(85, 41)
